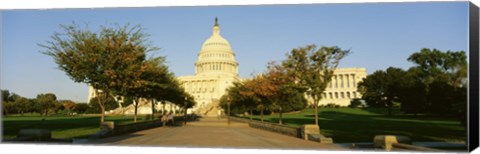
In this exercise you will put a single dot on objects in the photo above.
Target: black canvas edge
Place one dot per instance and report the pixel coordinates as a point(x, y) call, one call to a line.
point(473, 101)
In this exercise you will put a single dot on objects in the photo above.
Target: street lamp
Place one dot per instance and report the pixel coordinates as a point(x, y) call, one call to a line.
point(228, 108)
point(185, 114)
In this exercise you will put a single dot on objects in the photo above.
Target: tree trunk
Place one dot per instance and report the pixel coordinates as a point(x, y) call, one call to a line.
point(251, 115)
point(280, 116)
point(135, 104)
point(280, 120)
point(120, 104)
point(261, 115)
point(102, 119)
point(153, 109)
point(102, 106)
point(316, 111)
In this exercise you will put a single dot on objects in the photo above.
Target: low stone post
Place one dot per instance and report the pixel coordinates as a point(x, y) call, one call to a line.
point(385, 141)
point(312, 132)
point(309, 129)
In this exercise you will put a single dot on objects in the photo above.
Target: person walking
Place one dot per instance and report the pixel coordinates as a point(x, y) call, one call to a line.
point(164, 119)
point(170, 119)
point(219, 113)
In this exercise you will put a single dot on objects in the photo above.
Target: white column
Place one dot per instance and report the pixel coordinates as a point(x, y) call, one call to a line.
point(354, 81)
point(336, 82)
point(348, 80)
point(342, 81)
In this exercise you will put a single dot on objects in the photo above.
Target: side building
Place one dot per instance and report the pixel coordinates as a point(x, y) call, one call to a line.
point(343, 86)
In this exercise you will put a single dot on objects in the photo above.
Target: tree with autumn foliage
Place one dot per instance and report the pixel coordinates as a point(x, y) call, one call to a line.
point(241, 99)
point(273, 90)
point(105, 60)
point(312, 68)
point(69, 106)
point(284, 94)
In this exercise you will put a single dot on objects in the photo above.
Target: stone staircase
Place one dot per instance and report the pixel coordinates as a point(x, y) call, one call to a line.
point(210, 110)
point(130, 109)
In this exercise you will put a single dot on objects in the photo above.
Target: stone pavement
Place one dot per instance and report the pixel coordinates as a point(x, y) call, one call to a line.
point(210, 132)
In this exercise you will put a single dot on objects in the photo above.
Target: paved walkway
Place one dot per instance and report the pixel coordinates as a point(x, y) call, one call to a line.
point(214, 133)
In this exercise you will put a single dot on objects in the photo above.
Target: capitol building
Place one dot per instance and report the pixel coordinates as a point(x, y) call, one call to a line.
point(216, 69)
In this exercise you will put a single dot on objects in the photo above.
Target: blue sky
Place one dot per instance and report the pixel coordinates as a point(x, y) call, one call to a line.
point(379, 35)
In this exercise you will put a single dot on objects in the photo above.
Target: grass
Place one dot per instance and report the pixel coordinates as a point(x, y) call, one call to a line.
point(61, 126)
point(361, 125)
point(342, 124)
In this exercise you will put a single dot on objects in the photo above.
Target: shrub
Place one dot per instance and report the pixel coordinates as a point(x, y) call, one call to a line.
point(357, 103)
point(332, 105)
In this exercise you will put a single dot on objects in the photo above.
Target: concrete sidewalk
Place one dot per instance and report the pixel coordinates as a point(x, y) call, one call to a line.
point(213, 133)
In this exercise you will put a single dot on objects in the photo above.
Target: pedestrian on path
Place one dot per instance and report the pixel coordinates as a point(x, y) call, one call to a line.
point(219, 113)
point(164, 119)
point(170, 119)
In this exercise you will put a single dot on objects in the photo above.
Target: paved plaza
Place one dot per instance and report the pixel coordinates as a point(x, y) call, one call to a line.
point(213, 133)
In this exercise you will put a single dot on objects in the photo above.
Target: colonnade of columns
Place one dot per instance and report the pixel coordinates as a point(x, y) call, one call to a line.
point(216, 66)
point(342, 81)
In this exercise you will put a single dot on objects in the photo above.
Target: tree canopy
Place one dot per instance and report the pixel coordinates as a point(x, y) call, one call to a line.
point(111, 60)
point(312, 69)
point(435, 84)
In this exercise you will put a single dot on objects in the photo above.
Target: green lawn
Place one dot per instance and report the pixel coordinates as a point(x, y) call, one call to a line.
point(361, 125)
point(61, 126)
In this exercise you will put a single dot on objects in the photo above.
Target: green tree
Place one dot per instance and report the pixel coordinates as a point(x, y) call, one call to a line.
point(382, 88)
point(154, 83)
point(444, 76)
point(106, 60)
point(80, 108)
point(313, 69)
point(46, 102)
point(413, 93)
point(239, 102)
point(285, 95)
point(94, 106)
point(22, 105)
point(259, 89)
point(5, 95)
point(36, 107)
point(6, 106)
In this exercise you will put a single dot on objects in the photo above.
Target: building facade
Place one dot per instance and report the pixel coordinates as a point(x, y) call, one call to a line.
point(343, 86)
point(215, 70)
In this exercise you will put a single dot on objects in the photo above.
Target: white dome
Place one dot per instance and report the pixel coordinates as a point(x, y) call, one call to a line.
point(216, 42)
point(216, 56)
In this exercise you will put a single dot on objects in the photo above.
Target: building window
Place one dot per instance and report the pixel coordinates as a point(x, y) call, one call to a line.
point(342, 95)
point(348, 94)
point(331, 97)
point(336, 95)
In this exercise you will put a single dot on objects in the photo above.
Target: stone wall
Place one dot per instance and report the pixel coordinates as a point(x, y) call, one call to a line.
point(282, 129)
point(127, 128)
